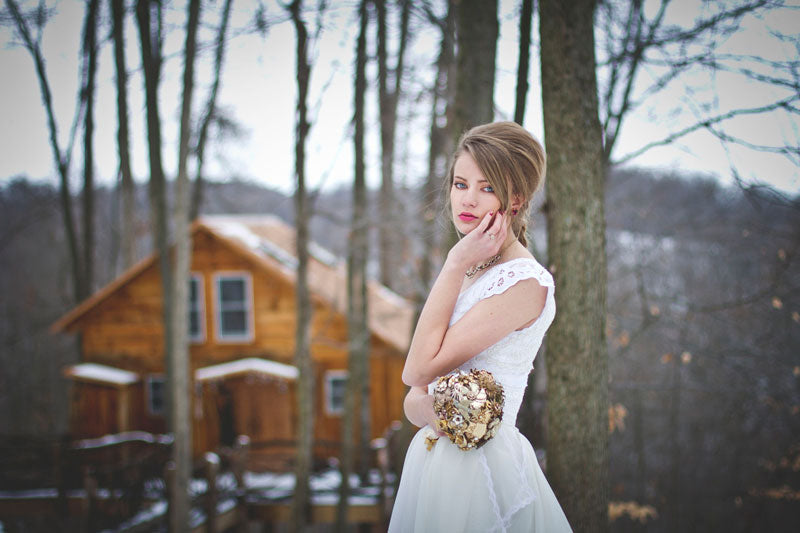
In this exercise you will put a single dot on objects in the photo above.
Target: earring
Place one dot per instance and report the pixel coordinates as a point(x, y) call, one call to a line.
point(514, 212)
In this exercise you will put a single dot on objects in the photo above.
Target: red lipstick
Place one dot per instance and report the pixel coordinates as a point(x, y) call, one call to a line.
point(467, 217)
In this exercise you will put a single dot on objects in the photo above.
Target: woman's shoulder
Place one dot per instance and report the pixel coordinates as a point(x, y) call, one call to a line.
point(505, 275)
point(528, 267)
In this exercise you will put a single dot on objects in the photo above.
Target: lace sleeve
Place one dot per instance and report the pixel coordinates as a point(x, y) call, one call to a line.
point(506, 275)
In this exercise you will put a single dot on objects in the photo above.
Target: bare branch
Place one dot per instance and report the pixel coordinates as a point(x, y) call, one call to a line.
point(781, 104)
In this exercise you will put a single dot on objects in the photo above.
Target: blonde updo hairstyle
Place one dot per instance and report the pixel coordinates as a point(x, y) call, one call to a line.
point(512, 161)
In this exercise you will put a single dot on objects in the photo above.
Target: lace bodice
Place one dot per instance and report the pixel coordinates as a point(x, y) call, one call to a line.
point(510, 360)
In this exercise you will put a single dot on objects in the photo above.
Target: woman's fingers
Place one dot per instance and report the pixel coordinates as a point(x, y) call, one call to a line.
point(497, 229)
point(484, 225)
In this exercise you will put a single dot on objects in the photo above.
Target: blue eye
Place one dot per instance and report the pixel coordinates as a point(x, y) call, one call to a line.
point(488, 189)
point(459, 185)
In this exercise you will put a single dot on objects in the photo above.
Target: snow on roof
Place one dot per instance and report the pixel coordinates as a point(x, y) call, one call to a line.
point(241, 227)
point(323, 255)
point(102, 373)
point(232, 228)
point(278, 253)
point(119, 438)
point(249, 364)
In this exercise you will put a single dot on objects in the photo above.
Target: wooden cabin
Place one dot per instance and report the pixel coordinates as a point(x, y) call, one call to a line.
point(242, 330)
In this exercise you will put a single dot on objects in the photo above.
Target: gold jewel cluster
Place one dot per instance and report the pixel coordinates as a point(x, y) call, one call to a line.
point(483, 266)
point(469, 406)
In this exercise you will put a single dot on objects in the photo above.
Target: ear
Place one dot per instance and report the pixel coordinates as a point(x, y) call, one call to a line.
point(516, 204)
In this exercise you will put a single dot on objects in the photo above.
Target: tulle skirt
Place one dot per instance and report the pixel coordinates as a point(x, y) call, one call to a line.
point(498, 487)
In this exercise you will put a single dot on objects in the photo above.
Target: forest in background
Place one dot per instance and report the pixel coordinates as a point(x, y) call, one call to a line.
point(703, 329)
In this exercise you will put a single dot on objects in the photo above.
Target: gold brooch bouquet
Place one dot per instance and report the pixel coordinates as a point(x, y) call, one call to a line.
point(469, 406)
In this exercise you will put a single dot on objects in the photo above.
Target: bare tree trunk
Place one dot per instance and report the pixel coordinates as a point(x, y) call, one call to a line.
point(123, 137)
point(357, 394)
point(476, 34)
point(524, 60)
point(437, 158)
point(179, 380)
point(390, 238)
point(150, 41)
point(90, 63)
point(60, 157)
point(210, 112)
point(301, 503)
point(577, 358)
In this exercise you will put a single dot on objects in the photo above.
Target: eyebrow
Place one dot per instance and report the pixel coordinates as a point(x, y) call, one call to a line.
point(457, 177)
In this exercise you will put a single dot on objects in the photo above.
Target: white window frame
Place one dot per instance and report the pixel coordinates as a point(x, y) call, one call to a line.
point(201, 309)
point(330, 376)
point(153, 378)
point(220, 336)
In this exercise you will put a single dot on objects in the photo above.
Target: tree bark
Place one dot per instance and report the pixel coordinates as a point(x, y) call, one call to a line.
point(357, 392)
point(523, 66)
point(476, 35)
point(150, 41)
point(577, 359)
point(437, 158)
point(179, 380)
point(210, 112)
point(123, 136)
point(90, 64)
point(390, 239)
point(301, 503)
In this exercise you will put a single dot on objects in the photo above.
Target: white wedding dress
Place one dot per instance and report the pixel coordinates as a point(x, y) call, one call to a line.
point(500, 486)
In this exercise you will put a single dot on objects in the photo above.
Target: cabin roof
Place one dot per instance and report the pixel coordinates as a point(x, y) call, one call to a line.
point(102, 374)
point(272, 244)
point(246, 366)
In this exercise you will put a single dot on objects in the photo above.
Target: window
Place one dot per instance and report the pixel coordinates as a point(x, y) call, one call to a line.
point(197, 323)
point(156, 395)
point(335, 389)
point(233, 307)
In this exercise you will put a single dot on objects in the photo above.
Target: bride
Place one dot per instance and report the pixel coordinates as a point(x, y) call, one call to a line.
point(488, 309)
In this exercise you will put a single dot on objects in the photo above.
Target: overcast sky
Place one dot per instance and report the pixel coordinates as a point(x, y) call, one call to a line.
point(258, 91)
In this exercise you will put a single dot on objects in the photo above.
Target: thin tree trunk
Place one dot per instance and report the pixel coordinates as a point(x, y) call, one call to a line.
point(523, 65)
point(123, 137)
point(90, 61)
point(357, 331)
point(301, 503)
point(210, 113)
point(577, 357)
point(357, 382)
point(150, 41)
point(61, 158)
point(431, 190)
point(179, 381)
point(390, 239)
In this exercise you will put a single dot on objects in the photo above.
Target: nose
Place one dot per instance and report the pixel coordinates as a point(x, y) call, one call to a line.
point(468, 198)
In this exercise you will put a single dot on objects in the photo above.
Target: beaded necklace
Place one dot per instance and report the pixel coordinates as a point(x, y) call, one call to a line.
point(483, 266)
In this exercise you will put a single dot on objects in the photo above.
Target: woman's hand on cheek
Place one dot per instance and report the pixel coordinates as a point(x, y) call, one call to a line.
point(481, 243)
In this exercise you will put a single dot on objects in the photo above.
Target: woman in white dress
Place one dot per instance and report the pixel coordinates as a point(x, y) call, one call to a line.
point(488, 309)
